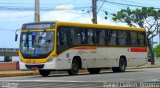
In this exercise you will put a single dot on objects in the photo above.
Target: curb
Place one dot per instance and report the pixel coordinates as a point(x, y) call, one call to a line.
point(142, 67)
point(24, 73)
point(19, 74)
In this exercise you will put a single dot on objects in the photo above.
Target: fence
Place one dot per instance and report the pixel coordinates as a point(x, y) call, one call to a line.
point(7, 66)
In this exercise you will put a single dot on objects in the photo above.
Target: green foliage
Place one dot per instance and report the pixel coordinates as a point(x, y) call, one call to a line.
point(136, 17)
point(157, 50)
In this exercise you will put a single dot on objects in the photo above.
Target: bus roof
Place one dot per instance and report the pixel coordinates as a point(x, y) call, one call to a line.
point(76, 24)
point(98, 26)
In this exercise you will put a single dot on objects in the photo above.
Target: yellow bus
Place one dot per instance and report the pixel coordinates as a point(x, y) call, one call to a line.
point(69, 46)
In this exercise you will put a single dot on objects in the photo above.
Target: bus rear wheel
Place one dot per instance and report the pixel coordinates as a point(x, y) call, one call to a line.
point(94, 70)
point(74, 68)
point(44, 73)
point(122, 66)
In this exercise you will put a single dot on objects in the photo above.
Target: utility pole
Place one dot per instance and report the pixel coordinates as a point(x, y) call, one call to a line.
point(94, 11)
point(37, 11)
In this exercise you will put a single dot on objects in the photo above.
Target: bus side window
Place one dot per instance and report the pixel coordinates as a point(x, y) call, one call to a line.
point(107, 37)
point(58, 42)
point(112, 37)
point(91, 37)
point(84, 36)
point(133, 38)
point(97, 36)
point(122, 38)
point(141, 39)
point(102, 37)
point(63, 39)
point(128, 38)
point(75, 36)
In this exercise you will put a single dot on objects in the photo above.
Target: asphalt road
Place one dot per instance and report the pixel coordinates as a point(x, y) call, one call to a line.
point(84, 80)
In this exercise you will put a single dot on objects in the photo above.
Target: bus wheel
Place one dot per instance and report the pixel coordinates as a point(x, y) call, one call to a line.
point(75, 68)
point(44, 73)
point(122, 66)
point(94, 70)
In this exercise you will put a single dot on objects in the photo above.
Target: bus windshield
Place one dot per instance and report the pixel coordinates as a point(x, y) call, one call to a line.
point(36, 44)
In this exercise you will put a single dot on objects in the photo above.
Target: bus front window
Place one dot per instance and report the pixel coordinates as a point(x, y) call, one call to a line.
point(36, 44)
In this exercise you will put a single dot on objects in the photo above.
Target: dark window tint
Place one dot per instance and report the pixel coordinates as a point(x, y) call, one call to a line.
point(141, 39)
point(97, 36)
point(91, 37)
point(133, 38)
point(122, 38)
point(75, 36)
point(63, 37)
point(84, 35)
point(102, 37)
point(111, 37)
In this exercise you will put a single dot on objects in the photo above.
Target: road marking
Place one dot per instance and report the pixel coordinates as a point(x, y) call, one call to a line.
point(50, 84)
point(65, 81)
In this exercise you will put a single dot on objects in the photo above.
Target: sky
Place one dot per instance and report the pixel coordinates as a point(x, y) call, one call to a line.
point(14, 13)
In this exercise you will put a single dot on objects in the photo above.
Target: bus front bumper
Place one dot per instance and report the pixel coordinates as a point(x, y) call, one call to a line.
point(46, 66)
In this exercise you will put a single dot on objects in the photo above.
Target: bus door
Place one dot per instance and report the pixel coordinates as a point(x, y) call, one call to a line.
point(62, 45)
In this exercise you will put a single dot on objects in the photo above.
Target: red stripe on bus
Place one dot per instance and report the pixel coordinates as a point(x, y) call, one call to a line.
point(138, 49)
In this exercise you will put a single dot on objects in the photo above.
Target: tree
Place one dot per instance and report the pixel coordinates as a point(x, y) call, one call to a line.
point(147, 18)
point(157, 50)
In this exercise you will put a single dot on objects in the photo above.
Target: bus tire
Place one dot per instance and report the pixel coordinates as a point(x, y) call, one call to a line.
point(94, 70)
point(122, 66)
point(44, 73)
point(74, 68)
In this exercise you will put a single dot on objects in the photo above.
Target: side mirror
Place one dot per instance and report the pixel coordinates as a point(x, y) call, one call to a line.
point(16, 37)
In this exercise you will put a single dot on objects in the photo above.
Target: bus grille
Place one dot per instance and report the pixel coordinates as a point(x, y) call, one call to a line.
point(35, 66)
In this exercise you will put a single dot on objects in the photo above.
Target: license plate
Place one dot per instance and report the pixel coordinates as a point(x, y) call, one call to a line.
point(34, 68)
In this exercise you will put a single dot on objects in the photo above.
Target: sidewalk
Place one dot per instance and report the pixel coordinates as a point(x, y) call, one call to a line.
point(26, 73)
point(148, 65)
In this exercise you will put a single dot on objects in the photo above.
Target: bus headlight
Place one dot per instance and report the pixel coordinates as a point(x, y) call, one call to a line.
point(50, 59)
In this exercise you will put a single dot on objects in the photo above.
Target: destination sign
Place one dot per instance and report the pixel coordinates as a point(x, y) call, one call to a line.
point(35, 26)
